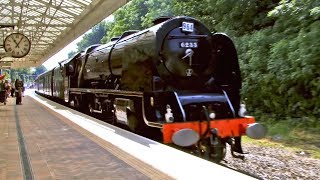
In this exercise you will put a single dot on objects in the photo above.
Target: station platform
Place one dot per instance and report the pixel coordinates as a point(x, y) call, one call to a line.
point(41, 139)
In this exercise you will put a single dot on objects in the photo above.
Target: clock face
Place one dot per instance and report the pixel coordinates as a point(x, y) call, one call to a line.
point(17, 44)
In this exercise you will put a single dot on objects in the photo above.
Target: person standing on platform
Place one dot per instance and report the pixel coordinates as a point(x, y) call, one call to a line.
point(7, 87)
point(18, 86)
point(12, 89)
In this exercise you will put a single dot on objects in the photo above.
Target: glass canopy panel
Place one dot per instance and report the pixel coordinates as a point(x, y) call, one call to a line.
point(49, 25)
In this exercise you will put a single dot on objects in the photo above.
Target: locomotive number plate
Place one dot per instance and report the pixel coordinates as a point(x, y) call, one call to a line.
point(189, 44)
point(187, 27)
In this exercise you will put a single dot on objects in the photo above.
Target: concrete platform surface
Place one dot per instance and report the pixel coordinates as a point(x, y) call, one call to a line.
point(49, 146)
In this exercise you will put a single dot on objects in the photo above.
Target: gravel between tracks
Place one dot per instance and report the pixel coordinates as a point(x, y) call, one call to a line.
point(275, 163)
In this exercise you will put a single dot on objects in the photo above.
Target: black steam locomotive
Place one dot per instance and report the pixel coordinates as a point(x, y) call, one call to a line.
point(176, 77)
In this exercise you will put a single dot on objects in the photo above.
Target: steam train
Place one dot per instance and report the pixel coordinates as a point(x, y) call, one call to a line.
point(175, 77)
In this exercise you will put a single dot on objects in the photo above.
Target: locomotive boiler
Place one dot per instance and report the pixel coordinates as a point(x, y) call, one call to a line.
point(176, 76)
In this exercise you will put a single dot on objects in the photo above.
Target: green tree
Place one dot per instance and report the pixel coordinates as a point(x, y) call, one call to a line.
point(93, 37)
point(24, 74)
point(128, 18)
point(72, 53)
point(233, 17)
point(108, 27)
point(156, 9)
point(39, 70)
point(137, 15)
point(279, 63)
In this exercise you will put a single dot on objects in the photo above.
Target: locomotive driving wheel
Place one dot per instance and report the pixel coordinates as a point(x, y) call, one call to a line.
point(213, 150)
point(217, 152)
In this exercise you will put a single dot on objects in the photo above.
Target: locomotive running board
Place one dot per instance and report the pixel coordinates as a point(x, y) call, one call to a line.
point(106, 91)
point(117, 93)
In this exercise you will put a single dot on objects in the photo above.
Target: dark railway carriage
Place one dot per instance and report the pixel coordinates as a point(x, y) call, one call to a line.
point(54, 83)
point(39, 81)
point(58, 82)
point(44, 83)
point(61, 82)
point(176, 77)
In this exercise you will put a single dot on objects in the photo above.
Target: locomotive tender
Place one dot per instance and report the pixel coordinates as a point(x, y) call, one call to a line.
point(175, 76)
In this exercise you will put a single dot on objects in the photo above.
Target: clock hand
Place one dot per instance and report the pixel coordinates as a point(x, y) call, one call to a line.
point(19, 42)
point(14, 40)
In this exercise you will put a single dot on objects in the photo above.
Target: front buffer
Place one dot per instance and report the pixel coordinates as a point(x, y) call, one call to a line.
point(210, 137)
point(205, 122)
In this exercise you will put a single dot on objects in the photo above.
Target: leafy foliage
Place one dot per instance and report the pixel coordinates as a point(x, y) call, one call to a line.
point(72, 53)
point(281, 69)
point(233, 17)
point(127, 17)
point(39, 70)
point(137, 15)
point(93, 37)
point(27, 75)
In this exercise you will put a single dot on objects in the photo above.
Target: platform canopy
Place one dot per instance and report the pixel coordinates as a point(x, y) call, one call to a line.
point(50, 25)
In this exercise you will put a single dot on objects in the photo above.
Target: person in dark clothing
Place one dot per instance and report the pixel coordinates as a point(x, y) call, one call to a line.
point(5, 89)
point(18, 86)
point(12, 89)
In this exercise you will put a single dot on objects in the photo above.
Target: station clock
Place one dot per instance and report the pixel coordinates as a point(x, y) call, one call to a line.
point(17, 44)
